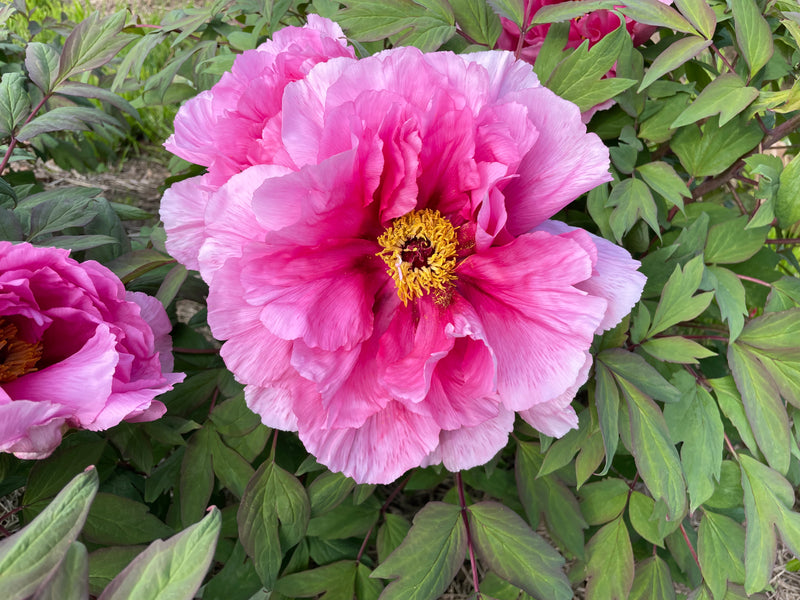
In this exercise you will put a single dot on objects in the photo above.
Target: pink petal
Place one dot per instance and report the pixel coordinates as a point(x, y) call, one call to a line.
point(182, 211)
point(30, 430)
point(537, 322)
point(193, 123)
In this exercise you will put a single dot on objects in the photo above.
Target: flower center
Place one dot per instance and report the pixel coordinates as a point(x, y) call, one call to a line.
point(17, 357)
point(419, 250)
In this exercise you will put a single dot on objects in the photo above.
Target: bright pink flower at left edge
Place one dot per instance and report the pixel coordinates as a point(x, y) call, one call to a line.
point(391, 286)
point(76, 350)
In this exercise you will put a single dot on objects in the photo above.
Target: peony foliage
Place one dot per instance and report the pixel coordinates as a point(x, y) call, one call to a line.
point(591, 392)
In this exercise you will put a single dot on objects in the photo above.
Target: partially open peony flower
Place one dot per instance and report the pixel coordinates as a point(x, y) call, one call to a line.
point(391, 287)
point(76, 350)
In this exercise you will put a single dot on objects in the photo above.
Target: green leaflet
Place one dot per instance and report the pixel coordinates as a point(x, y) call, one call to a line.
point(727, 96)
point(610, 562)
point(753, 34)
point(720, 549)
point(652, 581)
point(438, 540)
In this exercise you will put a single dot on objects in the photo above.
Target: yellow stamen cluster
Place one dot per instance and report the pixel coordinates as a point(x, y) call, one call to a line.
point(17, 357)
point(419, 250)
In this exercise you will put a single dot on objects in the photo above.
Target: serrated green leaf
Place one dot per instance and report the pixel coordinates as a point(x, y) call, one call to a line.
point(712, 149)
point(335, 582)
point(114, 520)
point(753, 35)
point(610, 562)
point(41, 61)
point(93, 43)
point(695, 421)
point(437, 540)
point(477, 20)
point(28, 556)
point(510, 548)
point(66, 118)
point(730, 296)
point(273, 516)
point(726, 96)
point(720, 550)
point(653, 12)
point(171, 569)
point(653, 581)
point(762, 403)
point(787, 205)
point(676, 349)
point(662, 178)
point(391, 534)
point(14, 103)
point(630, 367)
point(768, 501)
point(654, 451)
point(699, 14)
point(673, 57)
point(603, 501)
point(632, 200)
point(677, 303)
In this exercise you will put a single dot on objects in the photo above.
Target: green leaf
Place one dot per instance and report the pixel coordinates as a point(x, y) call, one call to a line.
point(733, 242)
point(510, 548)
point(237, 580)
point(610, 562)
point(391, 534)
point(607, 401)
point(712, 149)
point(730, 296)
point(654, 451)
point(577, 77)
point(273, 516)
point(676, 349)
point(653, 12)
point(753, 34)
point(662, 178)
point(171, 569)
point(348, 520)
point(514, 10)
point(197, 476)
point(116, 520)
point(328, 491)
point(720, 550)
point(14, 103)
point(230, 467)
point(426, 24)
point(730, 402)
point(726, 96)
point(677, 303)
point(570, 10)
point(653, 581)
point(787, 206)
point(477, 20)
point(335, 582)
point(768, 502)
point(632, 200)
point(367, 588)
point(673, 57)
point(699, 14)
point(28, 556)
point(66, 118)
point(41, 61)
point(93, 43)
point(641, 511)
point(630, 367)
point(696, 422)
point(563, 516)
point(84, 90)
point(603, 501)
point(437, 540)
point(70, 581)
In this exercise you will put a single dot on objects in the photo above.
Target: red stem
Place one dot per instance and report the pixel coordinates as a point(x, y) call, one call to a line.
point(691, 548)
point(754, 280)
point(473, 564)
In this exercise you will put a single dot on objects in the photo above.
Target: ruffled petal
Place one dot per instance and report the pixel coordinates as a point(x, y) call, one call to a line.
point(182, 211)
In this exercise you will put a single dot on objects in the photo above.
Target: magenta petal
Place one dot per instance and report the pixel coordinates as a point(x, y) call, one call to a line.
point(30, 429)
point(537, 322)
point(387, 445)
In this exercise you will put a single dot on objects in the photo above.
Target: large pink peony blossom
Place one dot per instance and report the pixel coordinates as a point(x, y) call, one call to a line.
point(394, 290)
point(75, 350)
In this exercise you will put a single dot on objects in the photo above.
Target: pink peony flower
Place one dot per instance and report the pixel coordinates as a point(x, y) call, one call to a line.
point(75, 350)
point(394, 290)
point(593, 27)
